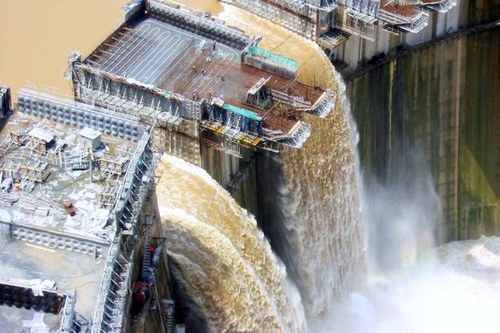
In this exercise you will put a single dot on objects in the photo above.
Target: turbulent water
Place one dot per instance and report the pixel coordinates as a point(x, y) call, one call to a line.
point(311, 202)
point(321, 205)
point(36, 31)
point(310, 207)
point(412, 286)
point(313, 212)
point(226, 263)
point(456, 288)
point(313, 192)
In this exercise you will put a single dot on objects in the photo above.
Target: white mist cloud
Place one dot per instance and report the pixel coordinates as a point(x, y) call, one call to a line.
point(400, 216)
point(451, 294)
point(413, 288)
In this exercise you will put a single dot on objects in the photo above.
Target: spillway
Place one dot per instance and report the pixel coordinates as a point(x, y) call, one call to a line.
point(309, 202)
point(226, 262)
point(312, 211)
point(323, 189)
point(310, 208)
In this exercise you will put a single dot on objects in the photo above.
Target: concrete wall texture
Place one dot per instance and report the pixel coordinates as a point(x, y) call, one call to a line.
point(442, 100)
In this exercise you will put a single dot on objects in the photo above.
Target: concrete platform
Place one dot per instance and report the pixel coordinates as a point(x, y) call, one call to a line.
point(146, 50)
point(71, 271)
point(157, 54)
point(41, 203)
point(12, 320)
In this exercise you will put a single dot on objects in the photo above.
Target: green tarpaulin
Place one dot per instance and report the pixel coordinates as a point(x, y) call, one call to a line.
point(287, 62)
point(242, 112)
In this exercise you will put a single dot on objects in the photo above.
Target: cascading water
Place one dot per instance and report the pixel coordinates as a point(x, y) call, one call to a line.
point(456, 289)
point(310, 209)
point(401, 214)
point(312, 214)
point(411, 286)
point(316, 193)
point(225, 261)
point(309, 200)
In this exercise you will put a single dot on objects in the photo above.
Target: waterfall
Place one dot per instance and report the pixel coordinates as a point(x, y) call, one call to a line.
point(456, 289)
point(225, 261)
point(311, 212)
point(309, 202)
point(411, 286)
point(401, 214)
point(310, 207)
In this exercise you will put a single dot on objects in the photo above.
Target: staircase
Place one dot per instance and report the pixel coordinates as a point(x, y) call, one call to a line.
point(167, 307)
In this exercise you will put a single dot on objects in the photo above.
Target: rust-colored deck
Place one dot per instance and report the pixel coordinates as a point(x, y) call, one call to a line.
point(167, 57)
point(208, 75)
point(411, 12)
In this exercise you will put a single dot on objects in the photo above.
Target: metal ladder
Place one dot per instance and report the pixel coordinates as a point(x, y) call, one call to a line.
point(146, 255)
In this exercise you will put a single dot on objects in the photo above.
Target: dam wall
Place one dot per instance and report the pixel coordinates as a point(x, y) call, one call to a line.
point(177, 125)
point(207, 28)
point(175, 118)
point(442, 101)
point(78, 114)
point(357, 50)
point(24, 294)
point(57, 240)
point(296, 17)
point(180, 140)
point(234, 168)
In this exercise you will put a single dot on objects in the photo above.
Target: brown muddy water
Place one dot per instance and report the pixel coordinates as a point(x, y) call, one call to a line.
point(37, 36)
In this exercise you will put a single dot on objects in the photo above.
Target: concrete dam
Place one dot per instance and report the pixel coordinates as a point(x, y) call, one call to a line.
point(260, 217)
point(439, 98)
point(362, 39)
point(167, 79)
point(261, 114)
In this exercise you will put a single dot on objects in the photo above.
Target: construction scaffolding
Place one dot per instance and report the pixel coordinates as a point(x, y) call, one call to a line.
point(331, 39)
point(76, 160)
point(289, 63)
point(198, 23)
point(203, 79)
point(113, 297)
point(326, 105)
point(107, 195)
point(114, 167)
point(441, 6)
point(357, 17)
point(21, 173)
point(225, 146)
point(407, 18)
point(40, 150)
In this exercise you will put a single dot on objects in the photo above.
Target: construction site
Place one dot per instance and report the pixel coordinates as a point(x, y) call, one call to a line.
point(196, 75)
point(80, 238)
point(331, 23)
point(78, 215)
point(76, 185)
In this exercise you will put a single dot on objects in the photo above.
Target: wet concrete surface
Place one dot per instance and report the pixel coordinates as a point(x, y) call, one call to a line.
point(71, 271)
